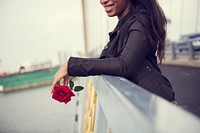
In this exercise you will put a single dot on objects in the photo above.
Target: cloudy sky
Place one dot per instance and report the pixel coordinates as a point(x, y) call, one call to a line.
point(35, 30)
point(184, 16)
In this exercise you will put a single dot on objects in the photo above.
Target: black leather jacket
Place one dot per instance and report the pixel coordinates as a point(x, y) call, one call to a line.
point(127, 54)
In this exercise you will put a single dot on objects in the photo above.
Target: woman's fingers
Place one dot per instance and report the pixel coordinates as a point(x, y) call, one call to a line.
point(56, 80)
point(66, 78)
point(60, 74)
point(54, 83)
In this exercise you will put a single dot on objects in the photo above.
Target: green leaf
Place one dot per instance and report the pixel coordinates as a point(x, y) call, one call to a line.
point(71, 84)
point(78, 88)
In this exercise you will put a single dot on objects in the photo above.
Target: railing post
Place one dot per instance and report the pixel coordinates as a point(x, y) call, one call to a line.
point(173, 50)
point(191, 51)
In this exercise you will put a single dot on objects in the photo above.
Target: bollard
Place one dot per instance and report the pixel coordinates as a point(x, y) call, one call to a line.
point(191, 51)
point(173, 50)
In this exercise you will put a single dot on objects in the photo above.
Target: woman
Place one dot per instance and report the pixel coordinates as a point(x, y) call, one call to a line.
point(135, 43)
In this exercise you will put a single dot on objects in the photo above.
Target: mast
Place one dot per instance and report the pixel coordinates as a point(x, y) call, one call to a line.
point(85, 28)
point(181, 23)
point(197, 17)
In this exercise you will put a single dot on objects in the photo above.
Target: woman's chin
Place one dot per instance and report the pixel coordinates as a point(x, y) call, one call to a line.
point(111, 14)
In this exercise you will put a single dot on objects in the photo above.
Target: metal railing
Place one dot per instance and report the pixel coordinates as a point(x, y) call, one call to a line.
point(191, 54)
point(116, 105)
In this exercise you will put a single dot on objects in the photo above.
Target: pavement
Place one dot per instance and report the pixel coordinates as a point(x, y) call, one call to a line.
point(184, 75)
point(182, 62)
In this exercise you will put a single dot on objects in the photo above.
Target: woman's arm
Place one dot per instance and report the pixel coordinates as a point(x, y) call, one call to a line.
point(126, 65)
point(136, 49)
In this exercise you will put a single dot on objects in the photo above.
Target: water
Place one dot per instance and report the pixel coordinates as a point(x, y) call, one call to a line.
point(34, 111)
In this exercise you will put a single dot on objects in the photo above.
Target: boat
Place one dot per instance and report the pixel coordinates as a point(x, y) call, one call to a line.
point(29, 79)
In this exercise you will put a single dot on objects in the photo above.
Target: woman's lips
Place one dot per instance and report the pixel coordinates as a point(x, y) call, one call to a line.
point(108, 8)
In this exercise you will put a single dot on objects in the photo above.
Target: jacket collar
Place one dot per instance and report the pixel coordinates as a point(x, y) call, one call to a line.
point(121, 22)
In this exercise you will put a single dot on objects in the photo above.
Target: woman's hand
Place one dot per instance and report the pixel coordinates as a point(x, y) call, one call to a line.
point(61, 76)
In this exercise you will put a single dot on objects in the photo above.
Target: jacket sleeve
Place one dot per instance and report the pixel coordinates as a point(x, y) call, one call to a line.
point(133, 54)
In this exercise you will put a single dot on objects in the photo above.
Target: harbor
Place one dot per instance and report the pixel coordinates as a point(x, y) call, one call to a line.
point(25, 80)
point(34, 111)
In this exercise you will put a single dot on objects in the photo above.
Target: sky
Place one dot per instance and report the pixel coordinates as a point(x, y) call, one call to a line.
point(36, 30)
point(184, 16)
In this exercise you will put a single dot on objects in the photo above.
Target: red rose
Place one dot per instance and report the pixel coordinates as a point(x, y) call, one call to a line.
point(62, 94)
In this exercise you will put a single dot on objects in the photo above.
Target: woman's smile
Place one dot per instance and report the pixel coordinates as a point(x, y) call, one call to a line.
point(117, 8)
point(108, 8)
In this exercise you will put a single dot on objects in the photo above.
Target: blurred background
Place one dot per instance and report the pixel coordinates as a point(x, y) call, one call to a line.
point(38, 31)
point(36, 36)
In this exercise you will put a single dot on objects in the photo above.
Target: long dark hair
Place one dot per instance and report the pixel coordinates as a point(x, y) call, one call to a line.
point(158, 21)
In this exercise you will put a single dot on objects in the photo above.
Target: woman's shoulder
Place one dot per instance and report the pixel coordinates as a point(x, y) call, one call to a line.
point(139, 20)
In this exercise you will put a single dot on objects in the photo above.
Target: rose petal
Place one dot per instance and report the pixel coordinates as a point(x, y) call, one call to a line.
point(62, 94)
